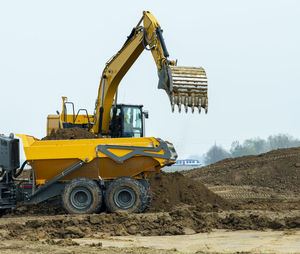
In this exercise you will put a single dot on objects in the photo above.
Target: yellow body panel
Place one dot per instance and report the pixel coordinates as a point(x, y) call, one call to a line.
point(50, 158)
point(52, 123)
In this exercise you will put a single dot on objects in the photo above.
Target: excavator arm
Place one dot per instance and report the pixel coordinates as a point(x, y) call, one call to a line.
point(184, 85)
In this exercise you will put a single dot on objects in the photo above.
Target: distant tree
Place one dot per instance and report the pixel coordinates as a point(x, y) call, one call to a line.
point(282, 141)
point(216, 153)
point(237, 150)
point(250, 146)
point(257, 145)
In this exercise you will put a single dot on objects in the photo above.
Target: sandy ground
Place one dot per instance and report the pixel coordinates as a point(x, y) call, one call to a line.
point(218, 241)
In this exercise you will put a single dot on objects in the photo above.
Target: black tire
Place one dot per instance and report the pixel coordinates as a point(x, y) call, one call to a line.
point(2, 212)
point(126, 194)
point(82, 196)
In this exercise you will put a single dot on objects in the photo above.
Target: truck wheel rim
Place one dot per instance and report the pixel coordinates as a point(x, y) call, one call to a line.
point(125, 198)
point(81, 198)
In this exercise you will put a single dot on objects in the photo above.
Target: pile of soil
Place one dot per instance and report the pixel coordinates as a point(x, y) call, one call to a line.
point(184, 220)
point(278, 170)
point(70, 133)
point(174, 189)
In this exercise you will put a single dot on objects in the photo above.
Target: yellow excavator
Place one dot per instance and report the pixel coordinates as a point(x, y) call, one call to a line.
point(112, 170)
point(185, 86)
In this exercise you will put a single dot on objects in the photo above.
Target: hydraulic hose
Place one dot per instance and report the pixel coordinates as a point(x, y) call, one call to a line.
point(146, 39)
point(18, 173)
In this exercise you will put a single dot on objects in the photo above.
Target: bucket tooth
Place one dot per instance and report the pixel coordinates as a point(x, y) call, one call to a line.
point(203, 102)
point(192, 102)
point(199, 109)
point(186, 102)
point(193, 107)
point(173, 102)
point(179, 103)
point(205, 106)
point(175, 99)
point(196, 101)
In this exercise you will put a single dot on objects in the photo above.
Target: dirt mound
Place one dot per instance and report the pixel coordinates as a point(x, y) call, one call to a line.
point(184, 220)
point(70, 133)
point(278, 169)
point(174, 189)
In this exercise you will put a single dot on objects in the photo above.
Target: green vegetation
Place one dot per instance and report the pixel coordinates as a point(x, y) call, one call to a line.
point(252, 146)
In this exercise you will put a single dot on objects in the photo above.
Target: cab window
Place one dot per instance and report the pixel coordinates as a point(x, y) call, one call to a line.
point(132, 122)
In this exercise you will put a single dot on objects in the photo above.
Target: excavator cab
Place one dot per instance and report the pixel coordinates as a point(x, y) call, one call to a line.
point(127, 121)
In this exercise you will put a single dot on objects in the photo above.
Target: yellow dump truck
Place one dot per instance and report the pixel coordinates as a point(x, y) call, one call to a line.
point(85, 173)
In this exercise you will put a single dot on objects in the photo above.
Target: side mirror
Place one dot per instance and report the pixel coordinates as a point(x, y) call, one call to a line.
point(146, 114)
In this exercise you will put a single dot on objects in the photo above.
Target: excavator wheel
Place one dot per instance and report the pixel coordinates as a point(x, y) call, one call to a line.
point(126, 194)
point(81, 196)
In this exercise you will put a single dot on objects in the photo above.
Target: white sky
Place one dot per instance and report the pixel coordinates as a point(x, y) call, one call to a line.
point(250, 50)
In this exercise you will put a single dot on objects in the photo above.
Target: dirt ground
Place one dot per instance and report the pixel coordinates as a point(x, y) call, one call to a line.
point(70, 133)
point(244, 205)
point(218, 241)
point(155, 232)
point(278, 170)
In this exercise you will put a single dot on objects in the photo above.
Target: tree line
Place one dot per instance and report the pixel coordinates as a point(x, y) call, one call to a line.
point(252, 146)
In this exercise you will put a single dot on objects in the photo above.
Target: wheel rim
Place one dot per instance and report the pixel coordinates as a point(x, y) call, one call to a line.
point(81, 198)
point(125, 198)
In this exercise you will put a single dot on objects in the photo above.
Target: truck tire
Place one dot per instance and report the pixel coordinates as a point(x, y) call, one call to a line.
point(82, 196)
point(2, 212)
point(126, 194)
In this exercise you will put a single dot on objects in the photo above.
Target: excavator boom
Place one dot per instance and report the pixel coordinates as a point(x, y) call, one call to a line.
point(185, 86)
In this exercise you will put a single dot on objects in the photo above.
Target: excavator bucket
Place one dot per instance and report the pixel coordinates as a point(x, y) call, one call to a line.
point(186, 86)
